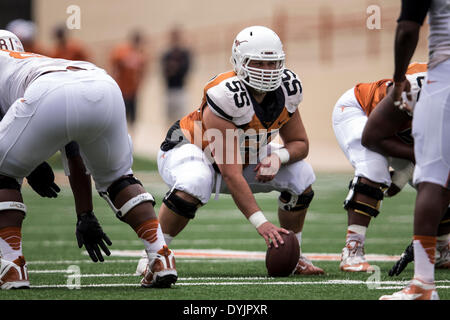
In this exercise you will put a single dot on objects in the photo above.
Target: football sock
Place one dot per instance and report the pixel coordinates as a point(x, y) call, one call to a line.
point(424, 257)
point(10, 243)
point(356, 233)
point(168, 238)
point(151, 234)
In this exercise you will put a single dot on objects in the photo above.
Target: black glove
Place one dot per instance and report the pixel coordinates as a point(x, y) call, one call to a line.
point(406, 257)
point(42, 180)
point(90, 233)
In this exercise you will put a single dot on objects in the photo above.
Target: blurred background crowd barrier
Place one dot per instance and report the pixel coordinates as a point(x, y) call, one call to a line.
point(331, 45)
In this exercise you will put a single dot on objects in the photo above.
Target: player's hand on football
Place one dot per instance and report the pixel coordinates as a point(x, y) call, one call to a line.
point(90, 234)
point(42, 181)
point(267, 168)
point(271, 234)
point(406, 257)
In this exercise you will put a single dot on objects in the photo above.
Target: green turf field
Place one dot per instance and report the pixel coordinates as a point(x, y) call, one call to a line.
point(50, 248)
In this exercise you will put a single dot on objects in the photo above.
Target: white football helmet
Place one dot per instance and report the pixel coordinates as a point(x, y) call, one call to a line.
point(9, 41)
point(258, 43)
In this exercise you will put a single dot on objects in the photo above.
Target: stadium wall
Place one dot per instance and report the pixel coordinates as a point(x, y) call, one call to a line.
point(328, 44)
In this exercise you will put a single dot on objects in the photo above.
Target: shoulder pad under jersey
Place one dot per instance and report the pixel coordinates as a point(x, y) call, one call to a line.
point(293, 90)
point(229, 99)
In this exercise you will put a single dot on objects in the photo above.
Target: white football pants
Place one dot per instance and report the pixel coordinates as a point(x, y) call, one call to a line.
point(186, 168)
point(349, 120)
point(60, 107)
point(431, 128)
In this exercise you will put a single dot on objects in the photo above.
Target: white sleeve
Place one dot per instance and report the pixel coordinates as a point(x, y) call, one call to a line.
point(293, 90)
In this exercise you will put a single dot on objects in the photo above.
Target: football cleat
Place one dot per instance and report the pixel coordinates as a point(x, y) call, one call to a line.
point(415, 290)
point(160, 272)
point(443, 257)
point(142, 264)
point(305, 267)
point(14, 274)
point(352, 258)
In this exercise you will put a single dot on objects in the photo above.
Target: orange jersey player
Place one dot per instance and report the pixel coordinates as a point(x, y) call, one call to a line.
point(372, 177)
point(228, 138)
point(129, 63)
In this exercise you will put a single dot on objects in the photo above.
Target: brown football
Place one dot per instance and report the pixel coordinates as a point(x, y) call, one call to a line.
point(281, 261)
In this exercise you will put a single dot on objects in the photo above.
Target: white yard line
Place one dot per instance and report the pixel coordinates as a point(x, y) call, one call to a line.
point(398, 284)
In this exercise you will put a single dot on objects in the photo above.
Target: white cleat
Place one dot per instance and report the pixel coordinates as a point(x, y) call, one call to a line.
point(142, 264)
point(160, 272)
point(415, 290)
point(14, 274)
point(306, 267)
point(353, 259)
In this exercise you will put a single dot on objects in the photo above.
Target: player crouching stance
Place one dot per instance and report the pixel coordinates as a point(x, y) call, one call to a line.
point(372, 177)
point(55, 104)
point(228, 138)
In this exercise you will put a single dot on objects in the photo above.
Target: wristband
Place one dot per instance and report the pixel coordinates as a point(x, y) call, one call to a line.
point(257, 219)
point(283, 154)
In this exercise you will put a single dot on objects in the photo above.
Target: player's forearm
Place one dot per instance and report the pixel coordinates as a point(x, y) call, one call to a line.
point(391, 147)
point(80, 182)
point(298, 150)
point(241, 193)
point(406, 38)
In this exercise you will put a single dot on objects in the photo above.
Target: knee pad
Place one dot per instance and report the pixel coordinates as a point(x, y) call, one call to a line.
point(11, 183)
point(118, 186)
point(292, 202)
point(180, 206)
point(376, 193)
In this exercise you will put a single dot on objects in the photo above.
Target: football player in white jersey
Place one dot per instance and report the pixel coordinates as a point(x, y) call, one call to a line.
point(223, 146)
point(431, 131)
point(74, 106)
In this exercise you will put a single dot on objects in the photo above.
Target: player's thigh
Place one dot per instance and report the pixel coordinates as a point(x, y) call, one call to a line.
point(102, 132)
point(187, 169)
point(431, 131)
point(294, 177)
point(366, 163)
point(32, 130)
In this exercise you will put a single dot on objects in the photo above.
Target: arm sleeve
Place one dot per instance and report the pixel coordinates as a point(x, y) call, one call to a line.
point(414, 10)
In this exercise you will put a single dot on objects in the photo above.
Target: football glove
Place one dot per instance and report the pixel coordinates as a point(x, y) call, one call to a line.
point(406, 257)
point(90, 234)
point(42, 181)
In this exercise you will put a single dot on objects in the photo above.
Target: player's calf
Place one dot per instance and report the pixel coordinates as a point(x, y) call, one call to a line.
point(362, 203)
point(13, 271)
point(136, 209)
point(291, 213)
